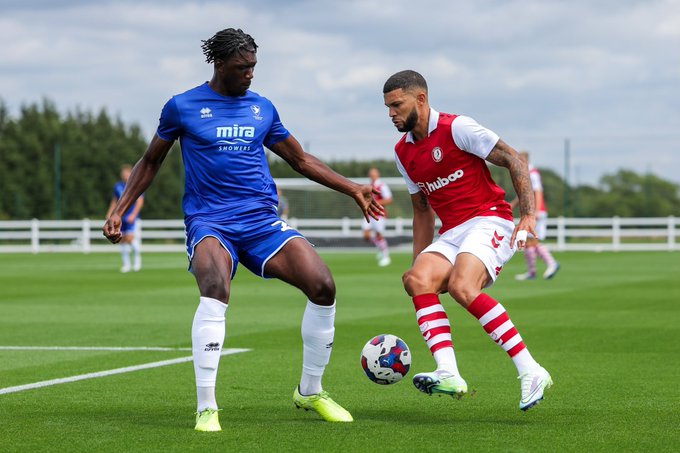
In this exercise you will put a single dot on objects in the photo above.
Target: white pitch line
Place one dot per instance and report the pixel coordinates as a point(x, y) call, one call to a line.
point(89, 348)
point(128, 369)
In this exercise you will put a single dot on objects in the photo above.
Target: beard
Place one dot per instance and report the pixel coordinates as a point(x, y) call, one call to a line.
point(410, 122)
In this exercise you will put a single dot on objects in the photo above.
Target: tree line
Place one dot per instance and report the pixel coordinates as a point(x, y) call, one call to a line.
point(64, 166)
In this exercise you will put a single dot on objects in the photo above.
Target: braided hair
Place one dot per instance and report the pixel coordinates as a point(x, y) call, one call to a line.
point(226, 43)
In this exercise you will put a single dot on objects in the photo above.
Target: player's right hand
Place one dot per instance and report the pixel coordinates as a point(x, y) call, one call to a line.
point(111, 229)
point(365, 197)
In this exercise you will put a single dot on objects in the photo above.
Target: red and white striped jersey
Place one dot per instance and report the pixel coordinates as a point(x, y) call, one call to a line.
point(383, 189)
point(384, 193)
point(448, 166)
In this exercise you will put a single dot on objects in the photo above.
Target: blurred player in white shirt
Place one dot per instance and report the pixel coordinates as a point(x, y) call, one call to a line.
point(534, 248)
point(382, 195)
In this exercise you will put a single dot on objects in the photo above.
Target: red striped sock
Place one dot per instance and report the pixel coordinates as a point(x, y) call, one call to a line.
point(433, 322)
point(496, 322)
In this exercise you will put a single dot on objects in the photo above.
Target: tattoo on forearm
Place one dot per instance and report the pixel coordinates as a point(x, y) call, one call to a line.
point(504, 156)
point(522, 185)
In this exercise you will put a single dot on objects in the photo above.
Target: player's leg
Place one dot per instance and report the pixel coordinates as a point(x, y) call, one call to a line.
point(423, 281)
point(381, 242)
point(136, 247)
point(366, 231)
point(552, 266)
point(471, 272)
point(211, 265)
point(298, 264)
point(369, 231)
point(530, 259)
point(125, 248)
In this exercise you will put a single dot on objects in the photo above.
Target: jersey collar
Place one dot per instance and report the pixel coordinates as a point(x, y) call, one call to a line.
point(431, 125)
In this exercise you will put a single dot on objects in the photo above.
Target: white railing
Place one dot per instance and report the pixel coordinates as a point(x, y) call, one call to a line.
point(564, 234)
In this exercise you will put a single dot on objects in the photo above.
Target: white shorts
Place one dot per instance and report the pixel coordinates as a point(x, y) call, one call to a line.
point(375, 225)
point(541, 225)
point(487, 238)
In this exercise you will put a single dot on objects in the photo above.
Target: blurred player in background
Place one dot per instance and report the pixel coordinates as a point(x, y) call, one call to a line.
point(383, 195)
point(442, 158)
point(534, 247)
point(130, 241)
point(230, 216)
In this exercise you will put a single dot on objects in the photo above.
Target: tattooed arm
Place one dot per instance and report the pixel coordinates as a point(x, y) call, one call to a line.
point(504, 155)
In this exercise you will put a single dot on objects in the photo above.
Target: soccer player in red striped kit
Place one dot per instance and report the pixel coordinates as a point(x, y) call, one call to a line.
point(442, 158)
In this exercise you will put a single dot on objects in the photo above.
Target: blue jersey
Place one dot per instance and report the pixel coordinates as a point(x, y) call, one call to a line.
point(222, 140)
point(117, 192)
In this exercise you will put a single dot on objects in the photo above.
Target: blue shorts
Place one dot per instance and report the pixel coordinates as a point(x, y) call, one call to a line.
point(252, 238)
point(127, 227)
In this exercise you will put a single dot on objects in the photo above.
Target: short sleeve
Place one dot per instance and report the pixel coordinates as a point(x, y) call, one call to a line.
point(410, 185)
point(472, 137)
point(276, 132)
point(385, 191)
point(169, 124)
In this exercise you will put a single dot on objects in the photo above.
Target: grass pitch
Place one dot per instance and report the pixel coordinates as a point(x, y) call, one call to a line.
point(606, 328)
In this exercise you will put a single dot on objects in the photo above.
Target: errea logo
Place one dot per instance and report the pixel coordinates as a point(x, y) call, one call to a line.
point(212, 346)
point(429, 187)
point(206, 112)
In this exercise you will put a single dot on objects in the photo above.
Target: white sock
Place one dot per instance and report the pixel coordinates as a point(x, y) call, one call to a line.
point(317, 341)
point(125, 254)
point(207, 336)
point(446, 360)
point(524, 361)
point(382, 245)
point(205, 397)
point(136, 254)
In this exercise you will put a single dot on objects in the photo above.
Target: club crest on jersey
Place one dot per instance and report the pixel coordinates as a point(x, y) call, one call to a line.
point(437, 154)
point(256, 111)
point(206, 112)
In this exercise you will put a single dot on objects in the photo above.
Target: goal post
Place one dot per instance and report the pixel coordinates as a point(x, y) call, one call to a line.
point(331, 219)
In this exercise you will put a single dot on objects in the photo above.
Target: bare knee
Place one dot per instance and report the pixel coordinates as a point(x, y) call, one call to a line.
point(213, 285)
point(417, 282)
point(321, 289)
point(462, 290)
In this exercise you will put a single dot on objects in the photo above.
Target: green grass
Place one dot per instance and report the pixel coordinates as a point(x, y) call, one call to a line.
point(606, 327)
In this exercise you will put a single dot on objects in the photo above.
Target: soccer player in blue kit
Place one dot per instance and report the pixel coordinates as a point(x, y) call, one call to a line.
point(129, 242)
point(230, 215)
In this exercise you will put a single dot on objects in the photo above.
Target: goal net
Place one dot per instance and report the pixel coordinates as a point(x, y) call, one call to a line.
point(331, 219)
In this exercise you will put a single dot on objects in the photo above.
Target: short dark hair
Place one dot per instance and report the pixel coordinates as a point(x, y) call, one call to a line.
point(405, 80)
point(226, 43)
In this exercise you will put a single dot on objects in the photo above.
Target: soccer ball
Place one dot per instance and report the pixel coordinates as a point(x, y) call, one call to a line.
point(386, 359)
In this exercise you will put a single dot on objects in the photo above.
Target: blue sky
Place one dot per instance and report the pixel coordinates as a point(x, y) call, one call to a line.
point(605, 74)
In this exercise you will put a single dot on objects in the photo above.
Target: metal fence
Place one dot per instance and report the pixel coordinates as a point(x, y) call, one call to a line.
point(564, 234)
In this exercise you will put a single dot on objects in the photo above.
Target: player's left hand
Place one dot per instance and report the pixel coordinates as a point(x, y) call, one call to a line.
point(130, 218)
point(526, 224)
point(364, 197)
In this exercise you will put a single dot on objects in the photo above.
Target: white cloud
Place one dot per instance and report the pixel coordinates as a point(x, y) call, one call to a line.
point(534, 71)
